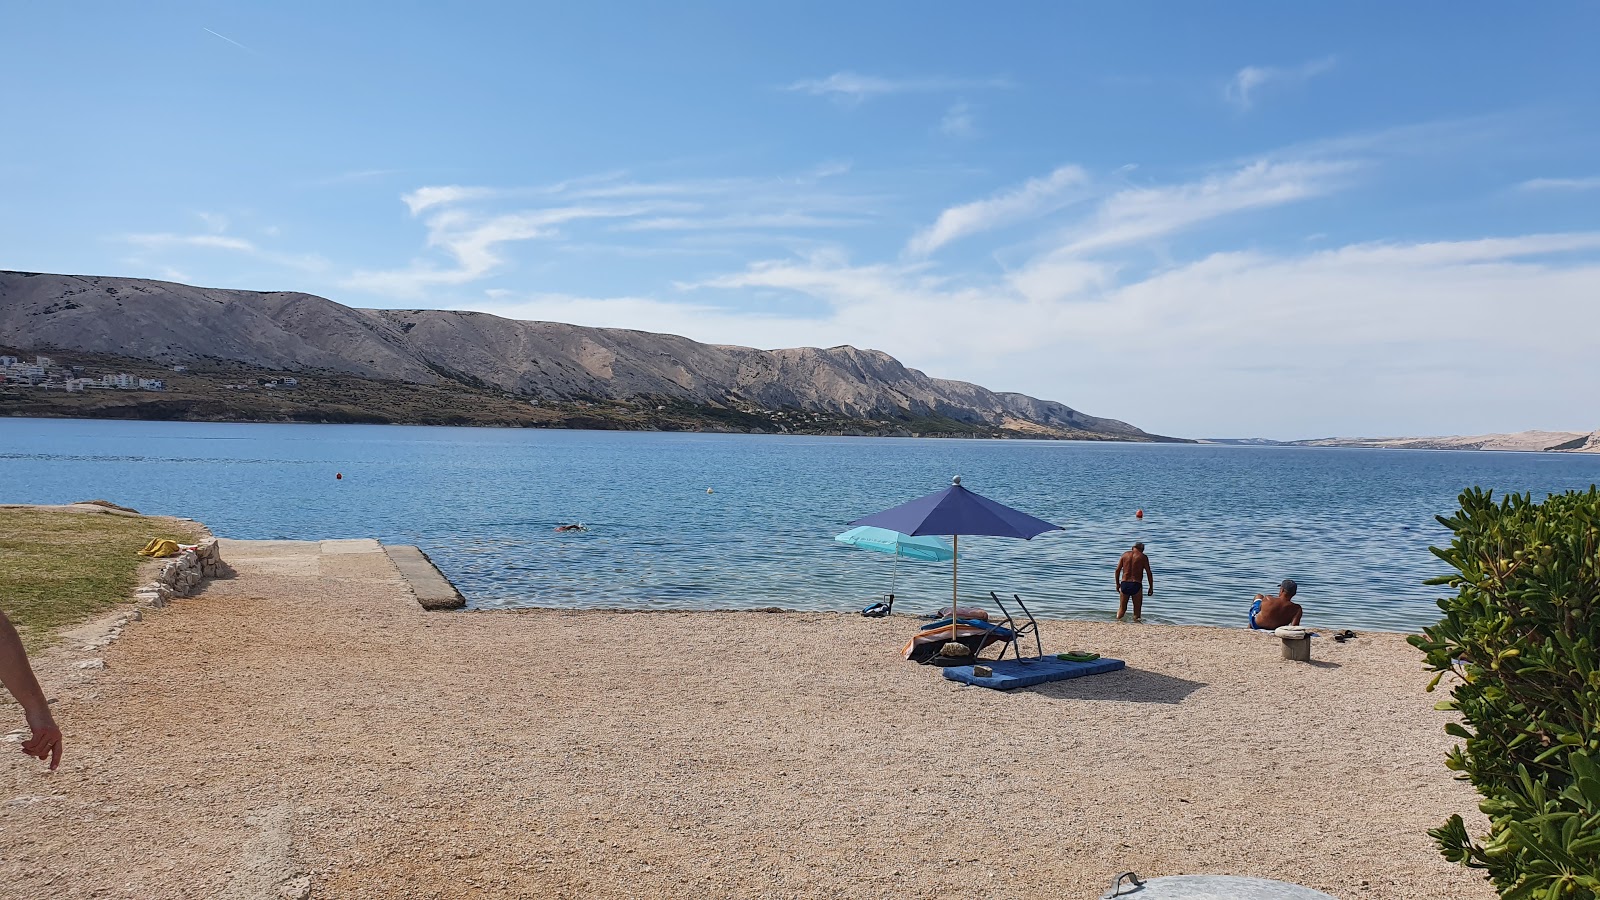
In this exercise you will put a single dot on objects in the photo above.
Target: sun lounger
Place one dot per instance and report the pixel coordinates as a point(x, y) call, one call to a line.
point(974, 634)
point(1023, 629)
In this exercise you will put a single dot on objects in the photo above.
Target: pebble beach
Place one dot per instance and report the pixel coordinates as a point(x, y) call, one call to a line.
point(305, 729)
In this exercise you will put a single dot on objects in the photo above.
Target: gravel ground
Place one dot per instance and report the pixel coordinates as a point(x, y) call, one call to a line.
point(305, 730)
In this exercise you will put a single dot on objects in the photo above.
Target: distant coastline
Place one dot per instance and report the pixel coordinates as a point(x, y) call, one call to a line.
point(1515, 442)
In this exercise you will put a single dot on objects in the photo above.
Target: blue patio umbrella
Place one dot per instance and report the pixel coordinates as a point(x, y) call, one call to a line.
point(927, 547)
point(955, 511)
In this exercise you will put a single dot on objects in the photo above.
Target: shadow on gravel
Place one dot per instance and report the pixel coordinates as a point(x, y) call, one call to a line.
point(1128, 685)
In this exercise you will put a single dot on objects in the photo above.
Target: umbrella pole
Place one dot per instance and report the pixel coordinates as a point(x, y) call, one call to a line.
point(955, 575)
point(893, 574)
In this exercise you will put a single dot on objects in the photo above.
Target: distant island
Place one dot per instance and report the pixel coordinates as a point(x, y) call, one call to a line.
point(140, 349)
point(1525, 441)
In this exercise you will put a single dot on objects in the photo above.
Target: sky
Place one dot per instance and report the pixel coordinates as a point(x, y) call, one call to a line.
point(1284, 220)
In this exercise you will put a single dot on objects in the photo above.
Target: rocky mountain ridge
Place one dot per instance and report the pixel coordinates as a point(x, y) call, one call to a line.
point(170, 323)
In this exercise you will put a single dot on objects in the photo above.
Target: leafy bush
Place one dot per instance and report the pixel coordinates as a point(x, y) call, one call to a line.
point(1521, 635)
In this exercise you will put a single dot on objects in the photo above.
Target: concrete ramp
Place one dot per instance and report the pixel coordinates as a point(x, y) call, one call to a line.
point(433, 590)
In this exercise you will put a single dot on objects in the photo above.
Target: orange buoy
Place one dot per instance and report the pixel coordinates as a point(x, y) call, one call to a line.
point(1139, 514)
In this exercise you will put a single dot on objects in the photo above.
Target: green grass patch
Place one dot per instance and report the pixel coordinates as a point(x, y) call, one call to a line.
point(60, 568)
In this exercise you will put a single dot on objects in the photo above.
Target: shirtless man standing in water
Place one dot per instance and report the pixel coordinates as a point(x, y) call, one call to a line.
point(1132, 569)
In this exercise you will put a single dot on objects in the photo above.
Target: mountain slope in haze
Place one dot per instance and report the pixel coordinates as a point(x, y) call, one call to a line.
point(173, 323)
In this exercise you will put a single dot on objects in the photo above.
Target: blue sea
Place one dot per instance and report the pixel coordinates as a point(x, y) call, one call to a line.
point(702, 521)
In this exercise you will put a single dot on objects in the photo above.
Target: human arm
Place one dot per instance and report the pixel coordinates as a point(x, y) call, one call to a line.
point(1150, 574)
point(18, 678)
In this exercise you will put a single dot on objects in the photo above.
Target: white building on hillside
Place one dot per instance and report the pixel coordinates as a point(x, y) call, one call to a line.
point(152, 384)
point(123, 381)
point(43, 361)
point(7, 362)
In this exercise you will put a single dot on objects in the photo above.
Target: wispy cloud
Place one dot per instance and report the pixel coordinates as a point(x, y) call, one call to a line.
point(1035, 197)
point(425, 198)
point(850, 87)
point(215, 222)
point(1248, 82)
point(472, 243)
point(230, 40)
point(1140, 214)
point(958, 121)
point(212, 241)
point(352, 177)
point(741, 222)
point(1590, 183)
point(470, 227)
point(166, 241)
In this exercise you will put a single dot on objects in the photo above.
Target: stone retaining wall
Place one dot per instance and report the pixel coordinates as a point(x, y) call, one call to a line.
point(181, 575)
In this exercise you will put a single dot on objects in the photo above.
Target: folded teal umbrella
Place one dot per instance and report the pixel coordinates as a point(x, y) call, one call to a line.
point(926, 547)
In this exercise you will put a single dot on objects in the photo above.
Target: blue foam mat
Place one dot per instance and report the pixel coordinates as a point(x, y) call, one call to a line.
point(1017, 673)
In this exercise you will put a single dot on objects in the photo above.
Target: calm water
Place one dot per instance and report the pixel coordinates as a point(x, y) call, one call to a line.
point(1221, 523)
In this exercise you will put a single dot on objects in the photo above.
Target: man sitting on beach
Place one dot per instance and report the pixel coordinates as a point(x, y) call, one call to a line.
point(1132, 569)
point(17, 676)
point(1279, 610)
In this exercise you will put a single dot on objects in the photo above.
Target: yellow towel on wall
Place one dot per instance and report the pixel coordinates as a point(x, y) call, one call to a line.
point(160, 547)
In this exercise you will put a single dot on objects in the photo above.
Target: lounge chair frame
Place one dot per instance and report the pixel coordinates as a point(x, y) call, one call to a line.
point(1019, 630)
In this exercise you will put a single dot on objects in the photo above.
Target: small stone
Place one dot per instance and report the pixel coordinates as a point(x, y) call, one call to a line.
point(92, 664)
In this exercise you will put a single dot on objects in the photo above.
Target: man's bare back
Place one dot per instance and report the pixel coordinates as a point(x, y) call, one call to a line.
point(1132, 570)
point(1277, 611)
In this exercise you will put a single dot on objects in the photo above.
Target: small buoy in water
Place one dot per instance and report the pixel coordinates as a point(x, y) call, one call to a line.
point(338, 476)
point(1139, 514)
point(709, 491)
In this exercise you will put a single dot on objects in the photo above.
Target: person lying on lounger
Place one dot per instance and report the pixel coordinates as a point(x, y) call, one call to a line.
point(1277, 611)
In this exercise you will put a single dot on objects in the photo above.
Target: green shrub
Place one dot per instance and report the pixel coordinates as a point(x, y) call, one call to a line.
point(1521, 635)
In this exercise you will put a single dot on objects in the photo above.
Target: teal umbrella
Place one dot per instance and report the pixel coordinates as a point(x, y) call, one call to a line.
point(926, 547)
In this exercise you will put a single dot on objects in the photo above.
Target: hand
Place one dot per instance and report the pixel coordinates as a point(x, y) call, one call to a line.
point(1151, 592)
point(45, 744)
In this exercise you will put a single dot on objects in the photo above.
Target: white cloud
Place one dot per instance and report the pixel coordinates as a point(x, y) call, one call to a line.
point(1385, 337)
point(426, 198)
point(303, 262)
point(1035, 197)
point(958, 122)
point(850, 87)
point(740, 222)
point(1590, 183)
point(214, 222)
point(472, 243)
point(1139, 214)
point(1246, 83)
point(212, 241)
point(465, 226)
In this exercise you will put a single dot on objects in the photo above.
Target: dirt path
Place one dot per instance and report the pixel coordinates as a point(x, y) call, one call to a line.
point(307, 730)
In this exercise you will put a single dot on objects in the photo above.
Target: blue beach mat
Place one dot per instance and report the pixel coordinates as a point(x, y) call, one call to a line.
point(1017, 673)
